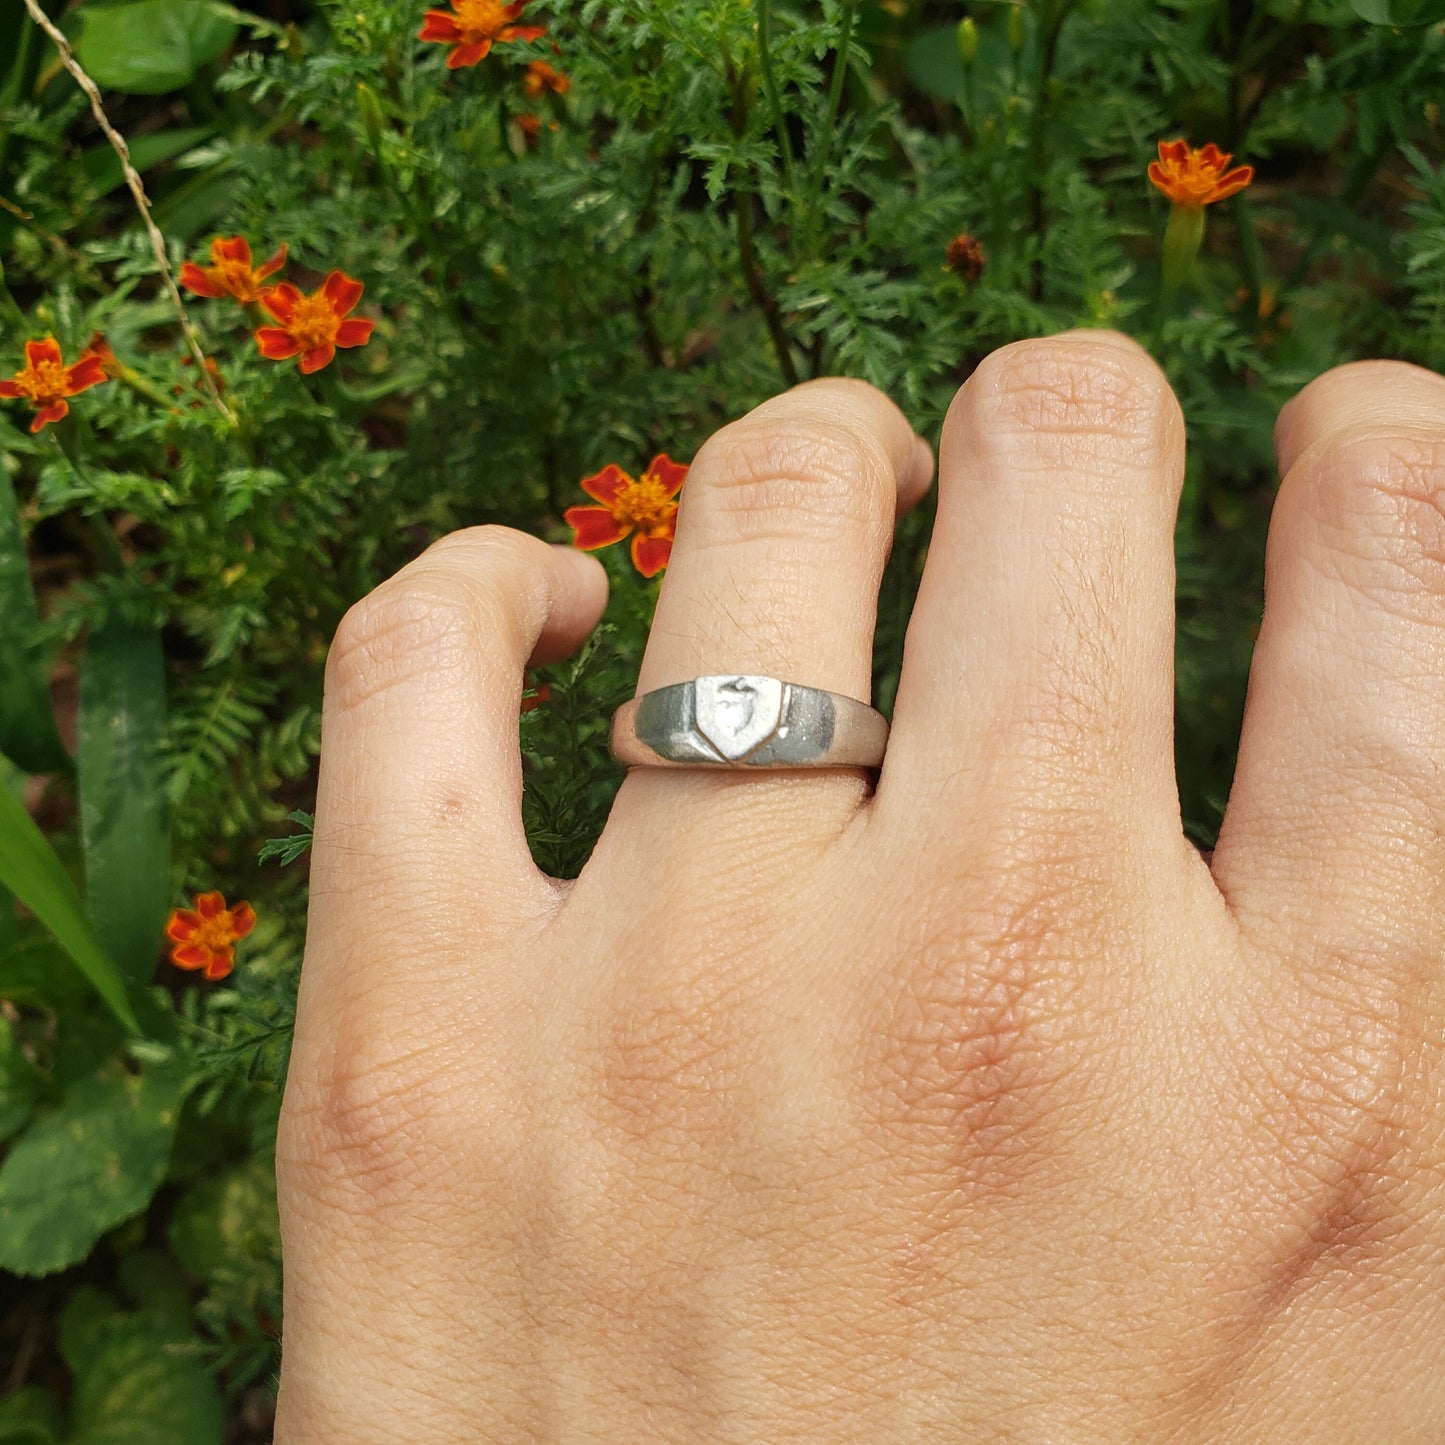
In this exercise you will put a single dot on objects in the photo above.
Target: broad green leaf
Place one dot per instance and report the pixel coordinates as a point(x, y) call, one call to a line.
point(123, 823)
point(36, 972)
point(102, 168)
point(1402, 13)
point(29, 1416)
point(30, 869)
point(27, 725)
point(137, 1380)
point(151, 47)
point(228, 1221)
point(85, 1166)
point(19, 1085)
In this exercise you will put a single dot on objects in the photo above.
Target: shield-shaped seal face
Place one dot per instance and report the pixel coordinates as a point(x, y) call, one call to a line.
point(737, 714)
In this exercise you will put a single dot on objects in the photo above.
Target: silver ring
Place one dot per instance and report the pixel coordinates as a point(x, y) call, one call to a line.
point(741, 721)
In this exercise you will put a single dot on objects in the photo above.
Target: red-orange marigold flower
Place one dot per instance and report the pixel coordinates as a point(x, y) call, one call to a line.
point(231, 272)
point(313, 326)
point(1192, 177)
point(205, 936)
point(644, 507)
point(540, 76)
point(45, 380)
point(474, 26)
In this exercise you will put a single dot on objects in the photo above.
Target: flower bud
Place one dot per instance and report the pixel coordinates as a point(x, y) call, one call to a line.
point(369, 108)
point(1016, 27)
point(967, 40)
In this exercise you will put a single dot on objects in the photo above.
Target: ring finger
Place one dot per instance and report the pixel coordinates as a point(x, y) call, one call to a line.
point(784, 528)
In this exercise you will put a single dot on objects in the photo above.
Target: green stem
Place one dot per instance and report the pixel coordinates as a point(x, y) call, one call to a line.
point(104, 537)
point(825, 141)
point(1038, 218)
point(775, 99)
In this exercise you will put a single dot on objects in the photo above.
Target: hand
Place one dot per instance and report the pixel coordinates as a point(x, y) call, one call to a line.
point(978, 1107)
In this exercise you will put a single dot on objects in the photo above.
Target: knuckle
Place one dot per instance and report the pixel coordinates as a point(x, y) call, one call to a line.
point(1069, 386)
point(763, 476)
point(373, 1130)
point(1377, 500)
point(1343, 386)
point(420, 621)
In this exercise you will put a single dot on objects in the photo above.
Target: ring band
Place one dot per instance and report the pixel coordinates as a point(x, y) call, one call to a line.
point(741, 721)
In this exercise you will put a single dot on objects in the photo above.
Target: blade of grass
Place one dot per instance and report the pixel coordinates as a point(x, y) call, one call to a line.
point(27, 725)
point(123, 823)
point(30, 869)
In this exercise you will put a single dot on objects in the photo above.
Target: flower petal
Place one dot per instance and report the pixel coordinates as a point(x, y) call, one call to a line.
point(281, 300)
point(275, 344)
point(342, 291)
point(670, 473)
point(650, 554)
point(607, 485)
point(438, 25)
point(231, 248)
point(273, 263)
point(191, 955)
point(522, 32)
point(1173, 151)
point(182, 924)
point(87, 372)
point(56, 411)
point(316, 358)
point(356, 331)
point(595, 527)
point(223, 960)
point(210, 905)
point(10, 388)
point(193, 278)
point(465, 55)
point(1232, 182)
point(243, 919)
point(39, 352)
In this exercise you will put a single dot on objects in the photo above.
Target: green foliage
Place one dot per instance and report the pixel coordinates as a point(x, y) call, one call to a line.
point(151, 47)
point(731, 196)
point(85, 1165)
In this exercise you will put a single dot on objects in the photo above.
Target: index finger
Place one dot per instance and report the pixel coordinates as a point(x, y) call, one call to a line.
point(418, 810)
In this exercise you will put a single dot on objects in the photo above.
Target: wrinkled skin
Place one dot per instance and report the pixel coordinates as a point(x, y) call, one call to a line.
point(977, 1107)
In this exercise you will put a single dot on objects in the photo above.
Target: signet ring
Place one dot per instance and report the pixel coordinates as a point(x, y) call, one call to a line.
point(743, 721)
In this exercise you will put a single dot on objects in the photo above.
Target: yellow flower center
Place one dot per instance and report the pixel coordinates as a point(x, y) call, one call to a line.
point(1194, 175)
point(314, 322)
point(237, 278)
point(644, 504)
point(480, 20)
point(46, 382)
point(217, 934)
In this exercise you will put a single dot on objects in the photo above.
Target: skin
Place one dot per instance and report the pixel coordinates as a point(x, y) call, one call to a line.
point(977, 1107)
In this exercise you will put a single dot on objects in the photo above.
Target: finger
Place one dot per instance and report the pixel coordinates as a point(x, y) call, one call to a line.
point(1039, 665)
point(1336, 813)
point(785, 525)
point(418, 811)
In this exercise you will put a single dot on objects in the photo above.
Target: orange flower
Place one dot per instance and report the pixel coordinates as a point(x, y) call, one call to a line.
point(230, 272)
point(45, 380)
point(1192, 177)
point(312, 327)
point(646, 507)
point(206, 936)
point(474, 27)
point(540, 76)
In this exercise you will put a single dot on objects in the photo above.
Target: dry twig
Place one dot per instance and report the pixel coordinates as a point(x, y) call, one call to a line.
point(137, 189)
